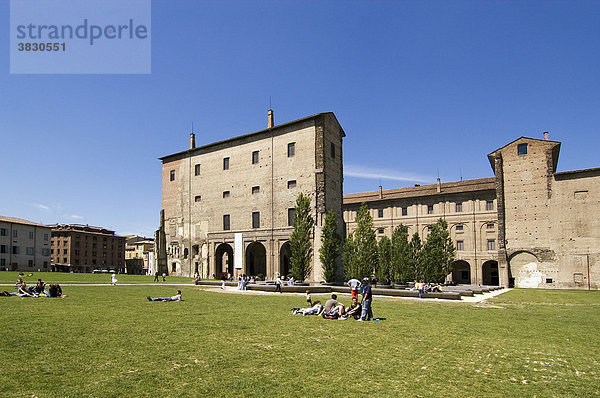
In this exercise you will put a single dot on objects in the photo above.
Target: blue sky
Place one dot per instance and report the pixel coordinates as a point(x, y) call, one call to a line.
point(421, 88)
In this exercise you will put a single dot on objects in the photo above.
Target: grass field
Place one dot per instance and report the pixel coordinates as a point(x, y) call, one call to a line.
point(63, 277)
point(109, 341)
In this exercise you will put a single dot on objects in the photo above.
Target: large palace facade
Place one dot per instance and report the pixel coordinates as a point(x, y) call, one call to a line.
point(228, 206)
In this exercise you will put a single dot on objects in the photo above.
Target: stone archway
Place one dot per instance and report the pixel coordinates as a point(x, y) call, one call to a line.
point(223, 260)
point(256, 259)
point(461, 272)
point(285, 254)
point(489, 272)
point(524, 270)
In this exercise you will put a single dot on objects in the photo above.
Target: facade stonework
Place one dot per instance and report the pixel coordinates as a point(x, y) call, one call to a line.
point(227, 205)
point(528, 226)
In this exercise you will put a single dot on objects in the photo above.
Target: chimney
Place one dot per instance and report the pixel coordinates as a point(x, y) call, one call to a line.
point(192, 140)
point(546, 135)
point(271, 121)
point(439, 185)
point(380, 192)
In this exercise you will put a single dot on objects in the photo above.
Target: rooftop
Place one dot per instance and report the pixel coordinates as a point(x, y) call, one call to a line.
point(20, 221)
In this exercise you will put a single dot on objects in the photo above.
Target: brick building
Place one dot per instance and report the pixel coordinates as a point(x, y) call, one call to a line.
point(24, 245)
point(228, 206)
point(528, 226)
point(82, 248)
point(138, 254)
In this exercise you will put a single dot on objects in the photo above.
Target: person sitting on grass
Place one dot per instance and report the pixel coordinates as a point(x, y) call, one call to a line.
point(26, 291)
point(333, 309)
point(56, 291)
point(354, 310)
point(176, 297)
point(314, 310)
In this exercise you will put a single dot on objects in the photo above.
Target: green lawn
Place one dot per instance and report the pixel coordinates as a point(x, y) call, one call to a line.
point(108, 341)
point(64, 277)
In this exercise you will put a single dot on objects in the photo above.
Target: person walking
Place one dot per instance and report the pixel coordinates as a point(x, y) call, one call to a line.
point(278, 283)
point(164, 277)
point(156, 276)
point(367, 298)
point(113, 279)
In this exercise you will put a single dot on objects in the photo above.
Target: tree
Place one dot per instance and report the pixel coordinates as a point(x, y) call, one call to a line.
point(366, 244)
point(330, 246)
point(401, 271)
point(300, 240)
point(438, 252)
point(415, 258)
point(384, 267)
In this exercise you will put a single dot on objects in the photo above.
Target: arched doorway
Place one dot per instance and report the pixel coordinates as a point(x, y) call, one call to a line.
point(256, 259)
point(223, 260)
point(524, 270)
point(285, 254)
point(461, 272)
point(490, 273)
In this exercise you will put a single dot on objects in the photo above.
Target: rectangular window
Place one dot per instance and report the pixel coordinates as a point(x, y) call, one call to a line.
point(77, 252)
point(522, 149)
point(172, 175)
point(405, 211)
point(548, 280)
point(380, 230)
point(226, 222)
point(225, 163)
point(379, 213)
point(255, 189)
point(2, 248)
point(489, 205)
point(459, 228)
point(459, 207)
point(16, 250)
point(255, 157)
point(291, 149)
point(291, 184)
point(15, 233)
point(3, 262)
point(226, 194)
point(31, 234)
point(491, 244)
point(197, 170)
point(332, 151)
point(291, 213)
point(2, 231)
point(30, 251)
point(256, 219)
point(197, 198)
point(490, 226)
point(429, 209)
point(45, 252)
point(46, 237)
point(30, 263)
point(64, 251)
point(460, 245)
point(45, 264)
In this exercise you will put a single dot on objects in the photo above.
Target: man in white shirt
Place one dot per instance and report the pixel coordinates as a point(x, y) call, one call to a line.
point(354, 287)
point(278, 283)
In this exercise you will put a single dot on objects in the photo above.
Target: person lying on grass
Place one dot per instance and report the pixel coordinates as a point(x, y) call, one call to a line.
point(316, 309)
point(176, 297)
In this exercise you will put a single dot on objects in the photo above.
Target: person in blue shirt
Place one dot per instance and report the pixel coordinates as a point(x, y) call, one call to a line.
point(367, 298)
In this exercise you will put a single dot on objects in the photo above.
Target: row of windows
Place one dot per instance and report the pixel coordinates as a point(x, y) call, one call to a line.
point(491, 245)
point(30, 263)
point(256, 219)
point(291, 152)
point(30, 251)
point(15, 233)
point(77, 252)
point(489, 205)
point(255, 189)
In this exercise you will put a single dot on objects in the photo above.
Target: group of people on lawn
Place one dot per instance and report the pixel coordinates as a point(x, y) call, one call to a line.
point(38, 290)
point(333, 309)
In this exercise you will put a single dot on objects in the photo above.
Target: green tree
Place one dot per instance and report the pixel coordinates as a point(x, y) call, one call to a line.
point(384, 267)
point(401, 271)
point(366, 244)
point(330, 246)
point(300, 240)
point(415, 260)
point(438, 253)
